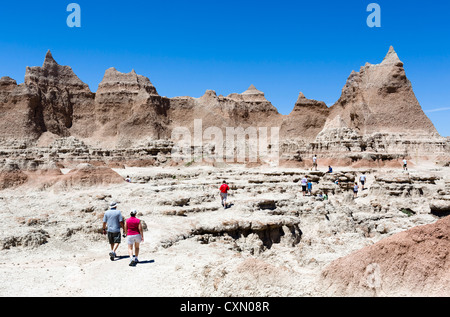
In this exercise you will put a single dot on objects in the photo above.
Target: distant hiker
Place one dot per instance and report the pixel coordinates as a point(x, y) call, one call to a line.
point(304, 183)
point(405, 164)
point(355, 190)
point(135, 235)
point(128, 179)
point(330, 169)
point(362, 179)
point(309, 185)
point(112, 222)
point(314, 162)
point(224, 193)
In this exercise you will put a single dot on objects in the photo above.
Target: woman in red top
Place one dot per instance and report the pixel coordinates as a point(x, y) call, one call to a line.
point(135, 235)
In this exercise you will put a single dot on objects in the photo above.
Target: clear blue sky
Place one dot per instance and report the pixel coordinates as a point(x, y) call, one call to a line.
point(282, 47)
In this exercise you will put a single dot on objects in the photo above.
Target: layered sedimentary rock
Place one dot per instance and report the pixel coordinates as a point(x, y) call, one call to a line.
point(380, 98)
point(249, 108)
point(127, 109)
point(61, 95)
point(306, 120)
point(377, 117)
point(20, 112)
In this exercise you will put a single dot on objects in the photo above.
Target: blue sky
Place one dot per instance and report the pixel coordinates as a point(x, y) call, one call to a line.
point(282, 47)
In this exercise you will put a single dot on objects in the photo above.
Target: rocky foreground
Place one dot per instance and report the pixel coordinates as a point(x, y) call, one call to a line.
point(391, 240)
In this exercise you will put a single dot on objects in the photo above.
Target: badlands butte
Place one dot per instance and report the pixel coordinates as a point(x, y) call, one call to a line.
point(65, 152)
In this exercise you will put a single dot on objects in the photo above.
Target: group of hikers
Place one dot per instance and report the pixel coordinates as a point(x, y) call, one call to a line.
point(132, 228)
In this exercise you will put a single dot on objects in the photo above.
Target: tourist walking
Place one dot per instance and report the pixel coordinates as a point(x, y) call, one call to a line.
point(355, 190)
point(309, 187)
point(224, 188)
point(314, 162)
point(362, 179)
point(112, 222)
point(135, 235)
point(304, 183)
point(405, 164)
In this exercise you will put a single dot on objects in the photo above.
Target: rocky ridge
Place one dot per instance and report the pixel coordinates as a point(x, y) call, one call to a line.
point(376, 119)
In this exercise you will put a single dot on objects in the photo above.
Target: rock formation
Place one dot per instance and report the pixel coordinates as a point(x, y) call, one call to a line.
point(20, 112)
point(306, 120)
point(249, 108)
point(379, 99)
point(376, 118)
point(61, 95)
point(127, 109)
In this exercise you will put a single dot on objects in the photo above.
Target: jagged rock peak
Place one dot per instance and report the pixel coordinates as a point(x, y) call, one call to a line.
point(252, 91)
point(301, 96)
point(392, 58)
point(49, 60)
point(53, 74)
point(302, 101)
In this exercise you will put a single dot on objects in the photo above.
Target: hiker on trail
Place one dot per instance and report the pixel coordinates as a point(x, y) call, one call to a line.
point(224, 193)
point(309, 187)
point(314, 162)
point(128, 179)
point(112, 222)
point(405, 164)
point(304, 183)
point(355, 190)
point(362, 179)
point(135, 235)
point(330, 169)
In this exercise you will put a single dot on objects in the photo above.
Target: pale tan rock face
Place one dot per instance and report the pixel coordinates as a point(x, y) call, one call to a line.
point(306, 120)
point(128, 109)
point(380, 98)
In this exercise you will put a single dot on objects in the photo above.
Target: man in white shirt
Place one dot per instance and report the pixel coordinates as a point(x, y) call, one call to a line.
point(314, 162)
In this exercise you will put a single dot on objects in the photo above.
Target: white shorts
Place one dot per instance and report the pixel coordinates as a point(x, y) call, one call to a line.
point(134, 239)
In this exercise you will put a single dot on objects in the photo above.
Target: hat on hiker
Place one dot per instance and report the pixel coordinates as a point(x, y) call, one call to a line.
point(113, 205)
point(133, 212)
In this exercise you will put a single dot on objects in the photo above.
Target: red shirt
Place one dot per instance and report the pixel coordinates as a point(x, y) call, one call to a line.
point(224, 188)
point(133, 226)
